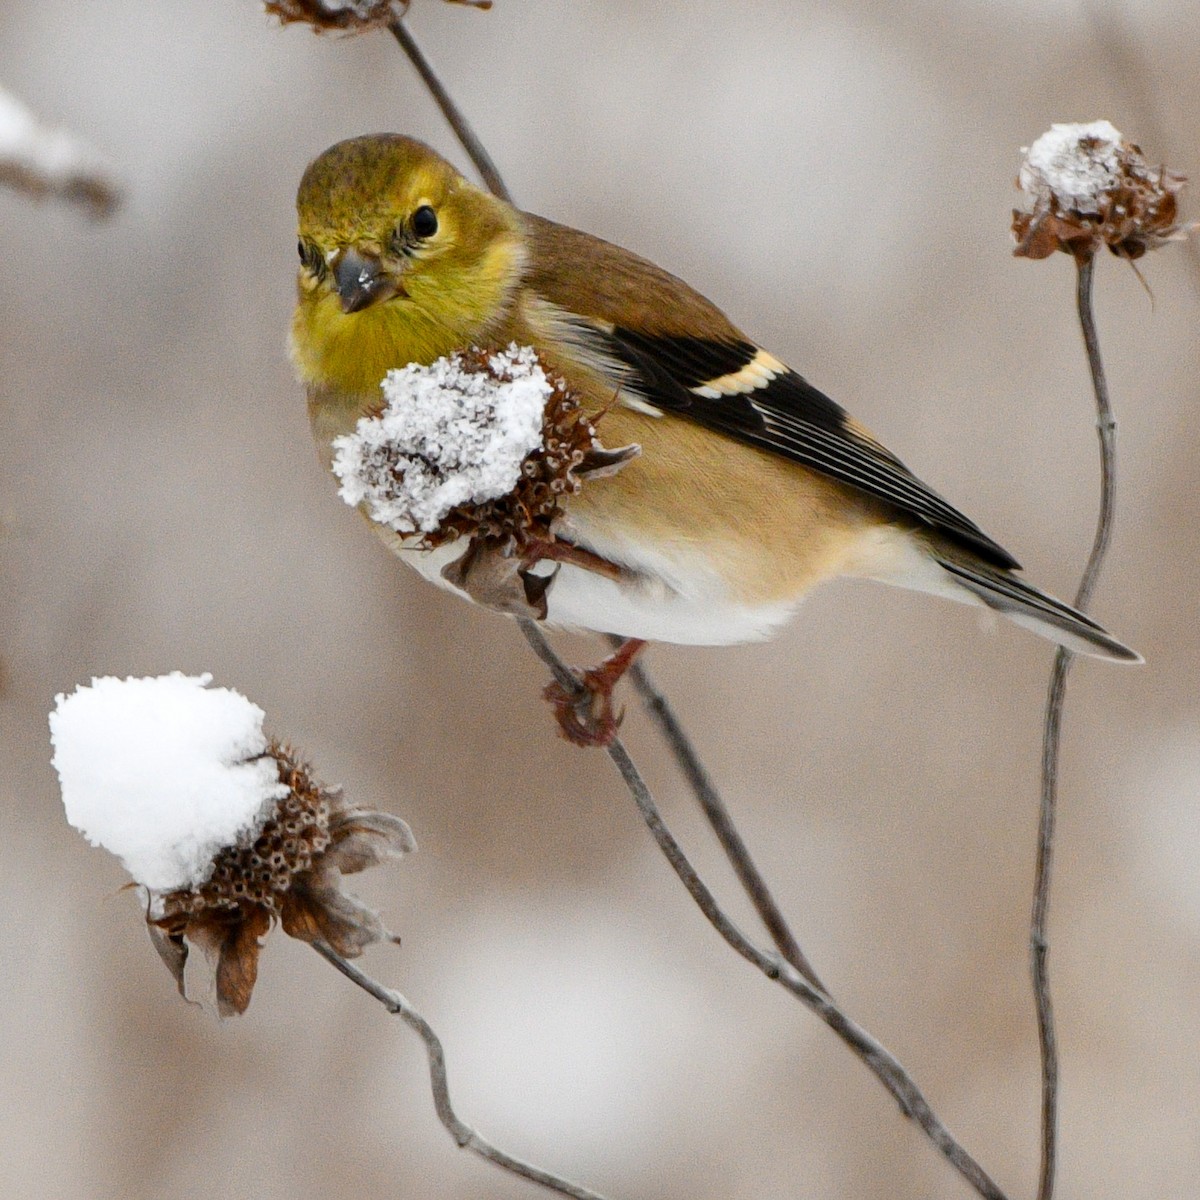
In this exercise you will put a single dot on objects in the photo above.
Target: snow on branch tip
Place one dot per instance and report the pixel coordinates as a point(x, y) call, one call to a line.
point(44, 162)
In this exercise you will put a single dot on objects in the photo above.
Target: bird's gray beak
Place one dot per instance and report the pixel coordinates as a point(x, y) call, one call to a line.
point(361, 281)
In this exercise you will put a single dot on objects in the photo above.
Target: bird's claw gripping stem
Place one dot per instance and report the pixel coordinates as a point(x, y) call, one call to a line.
point(587, 717)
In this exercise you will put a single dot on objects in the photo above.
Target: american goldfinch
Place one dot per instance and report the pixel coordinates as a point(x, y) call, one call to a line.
point(751, 486)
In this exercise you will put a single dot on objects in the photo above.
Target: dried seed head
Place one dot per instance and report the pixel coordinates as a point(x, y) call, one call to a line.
point(224, 830)
point(1085, 187)
point(345, 15)
point(448, 434)
point(287, 872)
point(348, 16)
point(548, 474)
point(259, 871)
point(481, 444)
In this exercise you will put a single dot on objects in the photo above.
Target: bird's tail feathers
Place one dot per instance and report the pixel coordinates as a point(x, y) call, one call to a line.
point(1033, 609)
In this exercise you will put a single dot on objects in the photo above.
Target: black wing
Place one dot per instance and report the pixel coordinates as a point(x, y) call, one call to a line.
point(735, 388)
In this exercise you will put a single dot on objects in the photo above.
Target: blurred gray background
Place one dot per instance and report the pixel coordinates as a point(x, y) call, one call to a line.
point(839, 178)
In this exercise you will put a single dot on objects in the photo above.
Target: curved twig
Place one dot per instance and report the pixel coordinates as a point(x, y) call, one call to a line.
point(462, 128)
point(466, 1137)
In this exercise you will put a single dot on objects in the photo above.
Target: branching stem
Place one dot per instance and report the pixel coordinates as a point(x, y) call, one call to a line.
point(705, 791)
point(876, 1057)
point(713, 806)
point(459, 1130)
point(1039, 945)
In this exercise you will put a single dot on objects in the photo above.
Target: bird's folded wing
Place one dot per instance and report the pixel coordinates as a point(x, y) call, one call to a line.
point(737, 389)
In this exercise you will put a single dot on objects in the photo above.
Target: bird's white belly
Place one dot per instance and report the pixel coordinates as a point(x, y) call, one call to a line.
point(672, 595)
point(653, 611)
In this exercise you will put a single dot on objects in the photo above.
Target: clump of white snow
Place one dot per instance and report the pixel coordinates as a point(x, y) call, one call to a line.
point(451, 434)
point(163, 772)
point(1076, 164)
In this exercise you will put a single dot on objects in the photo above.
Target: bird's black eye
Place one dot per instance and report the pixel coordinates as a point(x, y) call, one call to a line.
point(311, 258)
point(424, 222)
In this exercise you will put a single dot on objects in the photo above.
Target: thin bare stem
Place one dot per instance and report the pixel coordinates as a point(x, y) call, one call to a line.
point(713, 806)
point(459, 1130)
point(1039, 945)
point(876, 1057)
point(1106, 432)
point(462, 129)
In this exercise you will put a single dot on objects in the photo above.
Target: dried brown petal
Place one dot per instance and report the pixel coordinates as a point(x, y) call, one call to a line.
point(599, 463)
point(320, 912)
point(360, 840)
point(491, 574)
point(237, 962)
point(172, 949)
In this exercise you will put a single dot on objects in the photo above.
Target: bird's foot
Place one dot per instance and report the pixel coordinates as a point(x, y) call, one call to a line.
point(587, 717)
point(559, 550)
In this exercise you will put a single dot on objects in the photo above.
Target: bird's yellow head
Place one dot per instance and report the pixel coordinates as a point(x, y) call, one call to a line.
point(401, 260)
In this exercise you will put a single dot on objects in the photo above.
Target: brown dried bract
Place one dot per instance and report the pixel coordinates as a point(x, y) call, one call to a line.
point(290, 872)
point(1138, 210)
point(349, 16)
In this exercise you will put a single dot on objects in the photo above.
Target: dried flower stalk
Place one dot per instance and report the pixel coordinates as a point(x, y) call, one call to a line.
point(1085, 187)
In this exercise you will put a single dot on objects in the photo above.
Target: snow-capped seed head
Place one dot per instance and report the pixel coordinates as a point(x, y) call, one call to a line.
point(290, 872)
point(226, 831)
point(260, 867)
point(163, 772)
point(1085, 187)
point(478, 443)
point(1074, 164)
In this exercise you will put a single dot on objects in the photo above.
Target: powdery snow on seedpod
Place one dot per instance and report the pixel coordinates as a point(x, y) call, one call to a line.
point(163, 772)
point(450, 434)
point(1086, 186)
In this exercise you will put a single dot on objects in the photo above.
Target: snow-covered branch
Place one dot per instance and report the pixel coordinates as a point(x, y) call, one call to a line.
point(43, 161)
